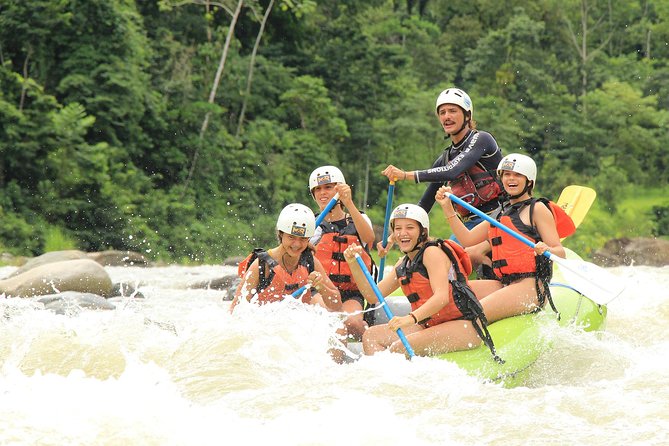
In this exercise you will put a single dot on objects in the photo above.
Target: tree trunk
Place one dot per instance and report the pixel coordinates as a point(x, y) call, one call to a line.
point(212, 94)
point(24, 87)
point(366, 186)
point(584, 53)
point(249, 78)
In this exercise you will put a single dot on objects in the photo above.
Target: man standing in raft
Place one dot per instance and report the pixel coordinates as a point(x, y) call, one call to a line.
point(468, 165)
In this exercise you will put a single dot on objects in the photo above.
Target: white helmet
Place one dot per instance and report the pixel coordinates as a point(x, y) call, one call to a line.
point(413, 212)
point(519, 163)
point(457, 97)
point(325, 175)
point(296, 219)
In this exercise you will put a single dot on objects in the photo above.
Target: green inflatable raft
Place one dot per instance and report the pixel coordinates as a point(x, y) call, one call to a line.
point(519, 339)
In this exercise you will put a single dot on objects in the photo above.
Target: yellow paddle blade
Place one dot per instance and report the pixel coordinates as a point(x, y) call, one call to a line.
point(576, 202)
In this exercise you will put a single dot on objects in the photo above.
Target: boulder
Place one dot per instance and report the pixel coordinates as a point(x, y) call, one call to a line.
point(226, 283)
point(83, 275)
point(221, 283)
point(633, 251)
point(233, 261)
point(49, 257)
point(124, 289)
point(119, 258)
point(72, 302)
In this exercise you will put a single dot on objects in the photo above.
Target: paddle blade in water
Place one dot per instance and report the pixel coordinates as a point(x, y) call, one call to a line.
point(592, 281)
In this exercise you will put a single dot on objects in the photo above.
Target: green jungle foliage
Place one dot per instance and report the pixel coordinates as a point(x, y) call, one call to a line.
point(180, 128)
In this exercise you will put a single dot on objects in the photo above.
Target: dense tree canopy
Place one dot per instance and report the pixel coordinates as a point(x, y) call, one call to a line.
point(181, 128)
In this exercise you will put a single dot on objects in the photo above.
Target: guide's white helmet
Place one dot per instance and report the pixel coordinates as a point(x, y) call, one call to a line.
point(458, 97)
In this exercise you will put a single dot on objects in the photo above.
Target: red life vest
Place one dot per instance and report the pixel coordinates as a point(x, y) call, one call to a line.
point(415, 281)
point(336, 237)
point(274, 281)
point(476, 186)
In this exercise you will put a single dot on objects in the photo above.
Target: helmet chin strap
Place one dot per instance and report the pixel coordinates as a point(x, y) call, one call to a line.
point(421, 238)
point(465, 123)
point(523, 192)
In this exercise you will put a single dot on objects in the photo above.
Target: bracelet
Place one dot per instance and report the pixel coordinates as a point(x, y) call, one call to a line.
point(415, 321)
point(405, 175)
point(448, 217)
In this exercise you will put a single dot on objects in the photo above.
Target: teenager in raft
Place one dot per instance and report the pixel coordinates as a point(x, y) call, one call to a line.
point(445, 314)
point(343, 225)
point(269, 276)
point(522, 274)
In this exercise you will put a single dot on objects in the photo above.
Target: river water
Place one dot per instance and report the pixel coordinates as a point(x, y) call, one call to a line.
point(175, 368)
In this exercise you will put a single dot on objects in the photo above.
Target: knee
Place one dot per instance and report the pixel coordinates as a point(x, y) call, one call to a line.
point(370, 340)
point(356, 324)
point(397, 347)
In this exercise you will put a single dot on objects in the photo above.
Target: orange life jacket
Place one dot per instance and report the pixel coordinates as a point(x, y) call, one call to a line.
point(274, 281)
point(476, 186)
point(462, 302)
point(513, 260)
point(415, 281)
point(336, 237)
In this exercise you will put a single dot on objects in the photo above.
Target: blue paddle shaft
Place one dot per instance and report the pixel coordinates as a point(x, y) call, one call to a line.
point(379, 296)
point(298, 292)
point(327, 210)
point(389, 209)
point(384, 242)
point(494, 222)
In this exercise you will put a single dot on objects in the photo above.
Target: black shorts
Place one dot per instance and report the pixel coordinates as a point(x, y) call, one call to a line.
point(353, 294)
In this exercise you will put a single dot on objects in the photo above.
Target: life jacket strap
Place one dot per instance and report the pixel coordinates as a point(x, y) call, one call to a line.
point(413, 297)
point(339, 256)
point(340, 278)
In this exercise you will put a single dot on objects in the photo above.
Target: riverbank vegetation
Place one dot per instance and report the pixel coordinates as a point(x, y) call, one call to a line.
point(179, 129)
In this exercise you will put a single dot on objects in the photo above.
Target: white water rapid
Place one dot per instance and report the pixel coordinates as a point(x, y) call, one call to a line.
point(175, 368)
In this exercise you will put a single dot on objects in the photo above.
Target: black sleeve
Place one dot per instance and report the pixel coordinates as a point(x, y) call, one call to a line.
point(481, 144)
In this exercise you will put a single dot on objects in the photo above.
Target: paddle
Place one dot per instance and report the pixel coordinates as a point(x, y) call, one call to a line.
point(327, 209)
point(588, 279)
point(576, 201)
point(384, 305)
point(298, 292)
point(384, 242)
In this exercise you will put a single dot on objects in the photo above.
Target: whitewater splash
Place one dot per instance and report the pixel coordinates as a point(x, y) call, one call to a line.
point(177, 368)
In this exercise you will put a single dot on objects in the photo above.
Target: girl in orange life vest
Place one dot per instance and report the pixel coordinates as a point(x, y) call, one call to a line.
point(339, 229)
point(288, 266)
point(435, 324)
point(522, 286)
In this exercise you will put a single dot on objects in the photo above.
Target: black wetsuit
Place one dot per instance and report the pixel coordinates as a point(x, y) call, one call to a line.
point(477, 146)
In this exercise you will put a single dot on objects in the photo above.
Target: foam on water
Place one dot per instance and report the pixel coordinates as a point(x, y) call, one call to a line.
point(176, 368)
